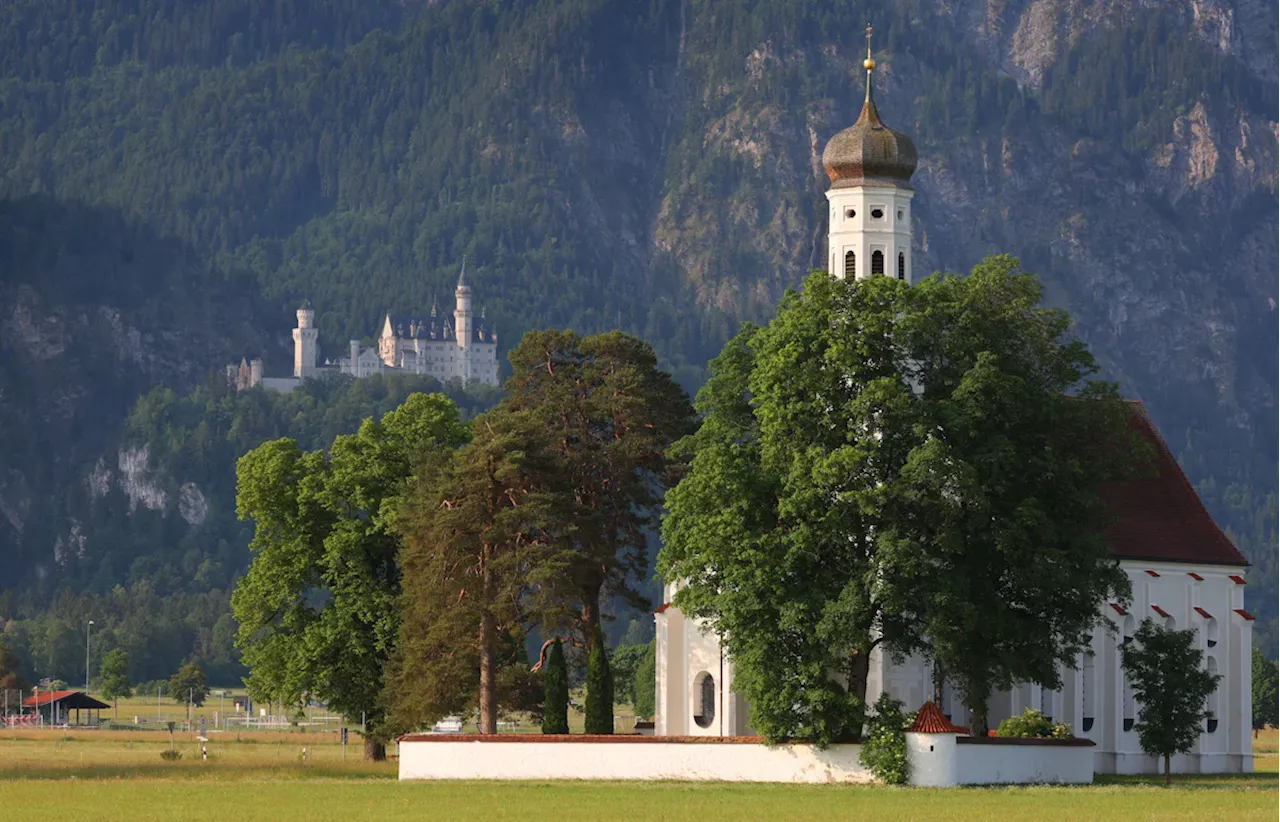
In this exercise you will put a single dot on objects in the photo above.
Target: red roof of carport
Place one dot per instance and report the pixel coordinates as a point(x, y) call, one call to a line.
point(69, 699)
point(1160, 517)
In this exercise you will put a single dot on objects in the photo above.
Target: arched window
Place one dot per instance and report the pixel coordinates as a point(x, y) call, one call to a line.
point(902, 266)
point(850, 265)
point(1211, 721)
point(1126, 689)
point(877, 263)
point(1211, 632)
point(1087, 673)
point(704, 698)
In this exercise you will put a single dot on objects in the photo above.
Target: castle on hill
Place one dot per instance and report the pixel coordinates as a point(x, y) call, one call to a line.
point(465, 349)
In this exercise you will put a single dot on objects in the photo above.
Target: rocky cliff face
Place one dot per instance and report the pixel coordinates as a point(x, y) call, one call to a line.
point(657, 167)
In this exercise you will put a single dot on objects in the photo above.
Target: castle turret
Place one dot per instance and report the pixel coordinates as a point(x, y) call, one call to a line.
point(870, 167)
point(304, 342)
point(462, 322)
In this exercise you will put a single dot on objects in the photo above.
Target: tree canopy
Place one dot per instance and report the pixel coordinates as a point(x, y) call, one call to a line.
point(1166, 670)
point(863, 478)
point(318, 609)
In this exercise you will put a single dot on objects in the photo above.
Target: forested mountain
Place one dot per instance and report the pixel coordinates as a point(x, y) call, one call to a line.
point(176, 176)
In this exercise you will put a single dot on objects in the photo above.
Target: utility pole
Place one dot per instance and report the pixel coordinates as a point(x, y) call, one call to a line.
point(88, 629)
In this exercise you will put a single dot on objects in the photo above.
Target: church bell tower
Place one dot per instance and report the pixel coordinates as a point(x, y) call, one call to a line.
point(870, 167)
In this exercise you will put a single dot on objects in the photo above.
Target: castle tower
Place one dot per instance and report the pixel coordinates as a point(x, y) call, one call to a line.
point(304, 342)
point(462, 322)
point(870, 167)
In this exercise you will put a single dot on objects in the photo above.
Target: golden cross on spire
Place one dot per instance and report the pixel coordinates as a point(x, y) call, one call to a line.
point(869, 63)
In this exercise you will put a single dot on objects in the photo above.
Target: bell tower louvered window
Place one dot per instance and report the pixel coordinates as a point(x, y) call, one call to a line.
point(850, 265)
point(902, 266)
point(877, 263)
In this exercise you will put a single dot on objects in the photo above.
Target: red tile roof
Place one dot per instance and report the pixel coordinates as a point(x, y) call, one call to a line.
point(1242, 612)
point(1160, 517)
point(45, 697)
point(1202, 612)
point(1119, 609)
point(1195, 576)
point(1238, 580)
point(1162, 612)
point(1152, 573)
point(929, 720)
point(662, 608)
point(69, 699)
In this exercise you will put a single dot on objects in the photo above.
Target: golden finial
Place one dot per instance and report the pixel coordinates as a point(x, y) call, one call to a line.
point(869, 63)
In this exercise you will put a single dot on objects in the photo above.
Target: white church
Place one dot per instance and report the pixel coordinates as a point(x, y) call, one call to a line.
point(465, 349)
point(1184, 570)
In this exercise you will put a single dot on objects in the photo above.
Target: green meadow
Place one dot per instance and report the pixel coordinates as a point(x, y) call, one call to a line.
point(119, 775)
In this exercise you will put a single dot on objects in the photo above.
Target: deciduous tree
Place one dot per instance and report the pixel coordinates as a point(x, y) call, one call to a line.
point(319, 607)
point(115, 677)
point(1266, 693)
point(897, 467)
point(1170, 684)
point(188, 685)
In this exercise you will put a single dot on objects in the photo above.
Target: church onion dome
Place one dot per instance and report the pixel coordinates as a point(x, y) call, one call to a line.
point(869, 151)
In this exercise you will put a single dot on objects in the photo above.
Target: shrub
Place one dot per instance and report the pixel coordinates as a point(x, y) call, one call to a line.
point(599, 708)
point(884, 749)
point(1033, 725)
point(171, 755)
point(555, 690)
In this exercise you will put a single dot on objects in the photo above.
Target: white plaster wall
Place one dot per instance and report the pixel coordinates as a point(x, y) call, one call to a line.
point(862, 234)
point(1023, 764)
point(701, 762)
point(933, 760)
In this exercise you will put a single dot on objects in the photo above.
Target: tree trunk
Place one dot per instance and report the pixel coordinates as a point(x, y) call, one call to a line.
point(978, 719)
point(374, 750)
point(590, 612)
point(859, 667)
point(1166, 770)
point(488, 676)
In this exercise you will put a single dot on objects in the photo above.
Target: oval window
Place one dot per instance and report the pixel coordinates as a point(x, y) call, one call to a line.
point(850, 213)
point(877, 213)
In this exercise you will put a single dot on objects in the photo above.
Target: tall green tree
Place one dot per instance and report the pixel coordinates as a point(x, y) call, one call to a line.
point(319, 607)
point(848, 461)
point(555, 716)
point(115, 677)
point(610, 415)
point(188, 685)
point(995, 516)
point(1266, 691)
point(598, 709)
point(477, 562)
point(1171, 686)
point(646, 682)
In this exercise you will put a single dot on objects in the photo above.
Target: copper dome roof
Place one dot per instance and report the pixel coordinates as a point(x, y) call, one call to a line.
point(869, 151)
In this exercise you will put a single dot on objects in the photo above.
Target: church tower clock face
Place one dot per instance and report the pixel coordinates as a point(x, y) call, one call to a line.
point(870, 167)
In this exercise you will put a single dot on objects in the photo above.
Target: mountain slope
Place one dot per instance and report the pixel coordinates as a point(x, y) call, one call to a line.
point(649, 166)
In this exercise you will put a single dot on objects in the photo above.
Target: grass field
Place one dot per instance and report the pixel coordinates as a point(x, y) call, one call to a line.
point(119, 775)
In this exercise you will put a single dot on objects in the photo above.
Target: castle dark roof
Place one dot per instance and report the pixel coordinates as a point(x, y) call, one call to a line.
point(410, 326)
point(1160, 517)
point(869, 151)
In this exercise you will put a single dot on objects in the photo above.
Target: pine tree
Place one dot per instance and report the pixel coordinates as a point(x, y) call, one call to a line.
point(599, 689)
point(555, 683)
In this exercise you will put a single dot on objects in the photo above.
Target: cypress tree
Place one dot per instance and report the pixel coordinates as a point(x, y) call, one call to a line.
point(599, 689)
point(555, 684)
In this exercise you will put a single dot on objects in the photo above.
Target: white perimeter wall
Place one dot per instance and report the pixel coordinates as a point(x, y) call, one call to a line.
point(938, 761)
point(733, 762)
